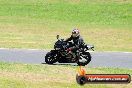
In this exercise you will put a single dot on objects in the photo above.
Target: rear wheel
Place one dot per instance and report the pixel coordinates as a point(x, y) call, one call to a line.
point(51, 58)
point(86, 56)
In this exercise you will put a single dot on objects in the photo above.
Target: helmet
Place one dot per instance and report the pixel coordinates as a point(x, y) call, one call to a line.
point(75, 33)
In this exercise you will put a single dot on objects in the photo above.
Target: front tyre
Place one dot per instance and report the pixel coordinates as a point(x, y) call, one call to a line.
point(86, 56)
point(51, 58)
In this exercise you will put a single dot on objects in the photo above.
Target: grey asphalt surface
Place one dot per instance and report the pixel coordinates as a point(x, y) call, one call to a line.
point(99, 59)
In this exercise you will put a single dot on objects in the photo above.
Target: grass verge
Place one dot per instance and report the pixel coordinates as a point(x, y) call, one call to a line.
point(35, 23)
point(15, 75)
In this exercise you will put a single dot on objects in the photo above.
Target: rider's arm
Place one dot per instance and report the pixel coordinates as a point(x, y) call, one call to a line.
point(68, 39)
point(79, 44)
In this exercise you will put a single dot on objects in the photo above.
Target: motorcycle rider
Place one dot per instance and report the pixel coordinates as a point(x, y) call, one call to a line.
point(77, 41)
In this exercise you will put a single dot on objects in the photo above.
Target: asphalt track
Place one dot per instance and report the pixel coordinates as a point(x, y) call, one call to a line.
point(99, 59)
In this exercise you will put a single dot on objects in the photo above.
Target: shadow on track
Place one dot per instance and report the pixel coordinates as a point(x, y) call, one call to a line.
point(68, 64)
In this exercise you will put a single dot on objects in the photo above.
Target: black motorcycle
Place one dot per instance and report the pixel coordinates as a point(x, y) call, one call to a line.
point(59, 54)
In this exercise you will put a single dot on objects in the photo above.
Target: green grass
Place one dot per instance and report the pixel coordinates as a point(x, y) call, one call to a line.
point(15, 75)
point(35, 23)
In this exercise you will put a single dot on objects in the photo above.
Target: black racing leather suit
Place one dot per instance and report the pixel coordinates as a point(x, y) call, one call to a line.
point(77, 42)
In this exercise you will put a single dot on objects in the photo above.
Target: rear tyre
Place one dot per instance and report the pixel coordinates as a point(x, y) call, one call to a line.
point(51, 58)
point(85, 55)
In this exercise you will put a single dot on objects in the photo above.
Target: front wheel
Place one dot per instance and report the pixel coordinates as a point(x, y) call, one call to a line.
point(51, 58)
point(86, 56)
